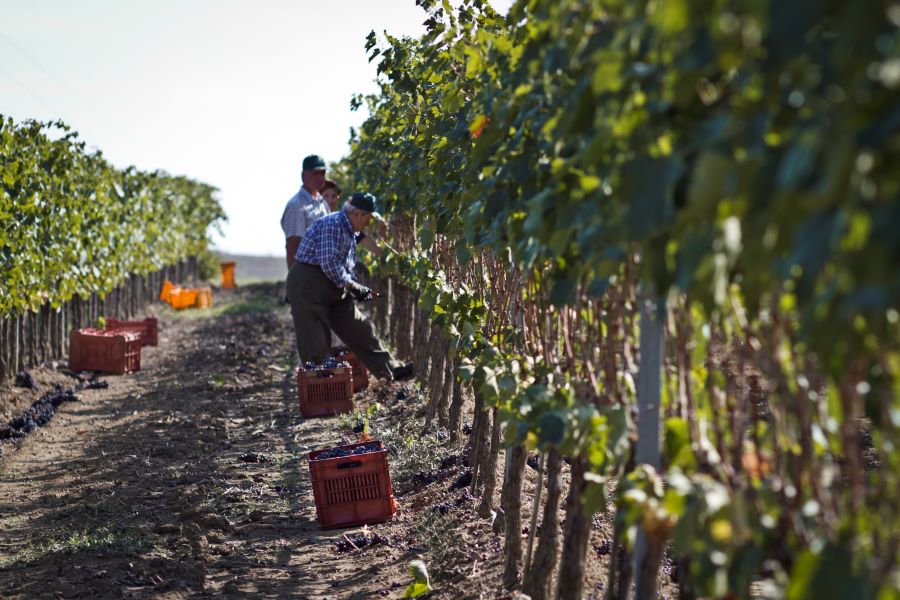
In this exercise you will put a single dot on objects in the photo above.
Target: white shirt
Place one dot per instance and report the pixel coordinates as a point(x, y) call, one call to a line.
point(301, 211)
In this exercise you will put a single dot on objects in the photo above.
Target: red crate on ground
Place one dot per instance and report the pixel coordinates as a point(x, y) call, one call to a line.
point(148, 329)
point(105, 351)
point(360, 373)
point(324, 392)
point(352, 490)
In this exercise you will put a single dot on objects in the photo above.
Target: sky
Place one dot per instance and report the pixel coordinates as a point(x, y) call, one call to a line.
point(233, 93)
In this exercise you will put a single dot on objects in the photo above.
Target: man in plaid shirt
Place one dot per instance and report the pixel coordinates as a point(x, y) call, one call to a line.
point(321, 289)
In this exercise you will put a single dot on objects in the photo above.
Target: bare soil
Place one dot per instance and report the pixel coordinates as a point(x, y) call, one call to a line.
point(140, 490)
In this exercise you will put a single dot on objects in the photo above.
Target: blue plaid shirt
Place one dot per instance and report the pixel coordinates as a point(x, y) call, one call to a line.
point(331, 244)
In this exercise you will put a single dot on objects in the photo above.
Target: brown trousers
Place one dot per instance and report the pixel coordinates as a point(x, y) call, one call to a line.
point(318, 307)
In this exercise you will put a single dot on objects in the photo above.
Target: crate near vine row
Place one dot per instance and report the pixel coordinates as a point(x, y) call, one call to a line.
point(358, 370)
point(116, 352)
point(147, 328)
point(351, 485)
point(325, 389)
point(180, 298)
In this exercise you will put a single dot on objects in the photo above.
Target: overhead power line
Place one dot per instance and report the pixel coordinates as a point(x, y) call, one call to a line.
point(28, 90)
point(115, 127)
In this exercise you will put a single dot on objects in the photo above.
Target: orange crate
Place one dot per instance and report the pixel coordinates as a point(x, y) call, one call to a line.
point(228, 275)
point(329, 394)
point(352, 490)
point(105, 351)
point(204, 297)
point(166, 291)
point(181, 298)
point(360, 373)
point(147, 328)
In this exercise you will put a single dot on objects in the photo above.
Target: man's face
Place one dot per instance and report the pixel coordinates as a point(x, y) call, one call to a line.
point(359, 219)
point(314, 181)
point(331, 198)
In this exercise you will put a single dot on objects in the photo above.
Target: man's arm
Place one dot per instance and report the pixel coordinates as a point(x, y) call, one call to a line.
point(291, 246)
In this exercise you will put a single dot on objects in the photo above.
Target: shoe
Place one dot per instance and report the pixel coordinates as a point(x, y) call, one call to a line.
point(403, 372)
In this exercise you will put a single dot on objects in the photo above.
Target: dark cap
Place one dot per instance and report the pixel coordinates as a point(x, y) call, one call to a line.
point(365, 201)
point(313, 162)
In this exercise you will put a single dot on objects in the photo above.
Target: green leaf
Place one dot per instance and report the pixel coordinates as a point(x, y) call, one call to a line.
point(414, 590)
point(563, 292)
point(677, 444)
point(594, 497)
point(552, 429)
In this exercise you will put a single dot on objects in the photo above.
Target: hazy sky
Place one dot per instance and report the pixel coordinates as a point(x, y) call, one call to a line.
point(232, 93)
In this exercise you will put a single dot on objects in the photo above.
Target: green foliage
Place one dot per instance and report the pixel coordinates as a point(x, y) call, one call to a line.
point(742, 150)
point(71, 224)
point(420, 585)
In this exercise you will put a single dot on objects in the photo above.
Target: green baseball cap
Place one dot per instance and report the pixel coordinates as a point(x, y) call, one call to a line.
point(313, 162)
point(367, 202)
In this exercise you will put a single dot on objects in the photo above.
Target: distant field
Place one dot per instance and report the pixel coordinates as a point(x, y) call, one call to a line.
point(253, 269)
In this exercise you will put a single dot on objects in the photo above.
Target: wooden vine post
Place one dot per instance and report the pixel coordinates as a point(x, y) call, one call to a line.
point(649, 398)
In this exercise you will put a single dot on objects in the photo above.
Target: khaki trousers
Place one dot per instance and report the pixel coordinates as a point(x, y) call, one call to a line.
point(318, 307)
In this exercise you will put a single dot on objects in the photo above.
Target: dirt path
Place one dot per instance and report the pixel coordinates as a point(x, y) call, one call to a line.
point(140, 490)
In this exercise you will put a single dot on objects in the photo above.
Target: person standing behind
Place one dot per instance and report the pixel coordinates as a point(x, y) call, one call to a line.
point(331, 192)
point(305, 207)
point(322, 292)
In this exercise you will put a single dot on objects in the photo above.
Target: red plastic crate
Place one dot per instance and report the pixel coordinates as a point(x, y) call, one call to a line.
point(323, 396)
point(148, 329)
point(360, 373)
point(352, 490)
point(105, 351)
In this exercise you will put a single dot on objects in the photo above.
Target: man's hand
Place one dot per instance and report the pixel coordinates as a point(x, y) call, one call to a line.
point(360, 292)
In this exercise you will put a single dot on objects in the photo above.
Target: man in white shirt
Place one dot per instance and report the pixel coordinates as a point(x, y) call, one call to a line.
point(305, 207)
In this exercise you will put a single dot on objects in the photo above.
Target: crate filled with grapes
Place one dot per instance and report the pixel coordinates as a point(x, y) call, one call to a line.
point(325, 389)
point(351, 485)
point(359, 371)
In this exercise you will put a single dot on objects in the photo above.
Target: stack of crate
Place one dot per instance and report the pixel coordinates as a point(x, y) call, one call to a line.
point(180, 298)
point(114, 349)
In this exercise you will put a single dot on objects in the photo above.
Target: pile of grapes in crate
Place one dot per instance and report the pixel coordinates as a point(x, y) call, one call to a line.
point(351, 484)
point(325, 388)
point(326, 368)
point(344, 451)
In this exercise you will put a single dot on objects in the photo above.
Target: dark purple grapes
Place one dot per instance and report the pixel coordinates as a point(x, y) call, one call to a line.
point(25, 380)
point(38, 414)
point(252, 457)
point(345, 452)
point(356, 541)
point(325, 368)
point(442, 508)
point(464, 480)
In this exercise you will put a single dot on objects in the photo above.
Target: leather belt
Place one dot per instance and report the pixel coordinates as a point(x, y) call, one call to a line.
point(306, 264)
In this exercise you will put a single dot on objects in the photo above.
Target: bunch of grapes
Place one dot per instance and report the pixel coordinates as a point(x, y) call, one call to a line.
point(39, 414)
point(25, 380)
point(464, 480)
point(345, 452)
point(326, 367)
point(355, 541)
point(252, 457)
